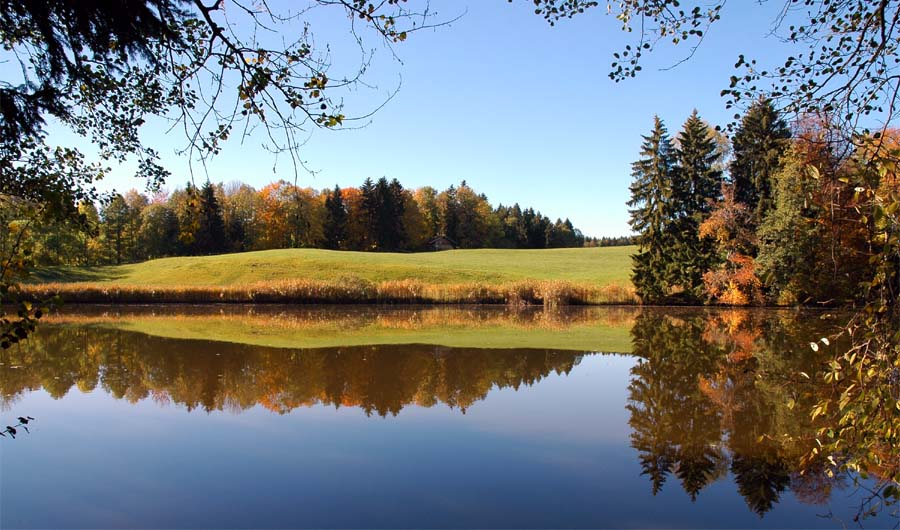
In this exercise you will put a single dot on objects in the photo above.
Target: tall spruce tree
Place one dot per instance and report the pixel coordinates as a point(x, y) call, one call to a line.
point(369, 209)
point(394, 203)
point(449, 214)
point(209, 237)
point(758, 145)
point(696, 186)
point(335, 228)
point(651, 212)
point(388, 214)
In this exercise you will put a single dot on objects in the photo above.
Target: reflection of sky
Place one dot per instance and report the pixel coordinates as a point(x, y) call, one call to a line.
point(552, 455)
point(587, 405)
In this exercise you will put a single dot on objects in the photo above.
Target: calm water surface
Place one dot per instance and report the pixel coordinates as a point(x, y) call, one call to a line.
point(687, 427)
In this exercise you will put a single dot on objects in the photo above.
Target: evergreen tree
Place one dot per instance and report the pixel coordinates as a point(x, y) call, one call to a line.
point(394, 204)
point(448, 209)
point(651, 213)
point(387, 202)
point(115, 215)
point(535, 229)
point(512, 226)
point(696, 186)
point(758, 146)
point(335, 219)
point(369, 208)
point(209, 237)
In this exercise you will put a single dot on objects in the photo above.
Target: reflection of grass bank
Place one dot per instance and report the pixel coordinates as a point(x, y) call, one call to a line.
point(587, 329)
point(546, 277)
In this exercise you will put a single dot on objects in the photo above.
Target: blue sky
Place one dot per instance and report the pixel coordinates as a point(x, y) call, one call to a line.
point(522, 111)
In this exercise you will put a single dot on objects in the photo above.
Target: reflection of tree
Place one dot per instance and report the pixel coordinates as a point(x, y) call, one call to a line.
point(710, 394)
point(761, 480)
point(676, 429)
point(220, 376)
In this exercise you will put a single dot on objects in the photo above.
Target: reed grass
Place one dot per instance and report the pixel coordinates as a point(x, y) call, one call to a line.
point(345, 290)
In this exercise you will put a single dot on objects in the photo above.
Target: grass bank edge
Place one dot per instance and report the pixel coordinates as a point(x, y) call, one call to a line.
point(345, 290)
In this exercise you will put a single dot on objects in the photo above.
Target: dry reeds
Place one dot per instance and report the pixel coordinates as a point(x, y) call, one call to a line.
point(347, 290)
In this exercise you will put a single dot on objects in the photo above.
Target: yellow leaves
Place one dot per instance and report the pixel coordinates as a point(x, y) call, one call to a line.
point(819, 410)
point(732, 295)
point(317, 81)
point(813, 172)
point(332, 121)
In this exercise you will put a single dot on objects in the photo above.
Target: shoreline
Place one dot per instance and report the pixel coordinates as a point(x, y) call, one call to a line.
point(547, 293)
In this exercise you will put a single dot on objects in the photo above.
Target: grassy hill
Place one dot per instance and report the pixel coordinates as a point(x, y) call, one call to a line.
point(598, 266)
point(549, 277)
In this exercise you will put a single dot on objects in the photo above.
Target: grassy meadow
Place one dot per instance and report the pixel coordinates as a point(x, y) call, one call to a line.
point(547, 277)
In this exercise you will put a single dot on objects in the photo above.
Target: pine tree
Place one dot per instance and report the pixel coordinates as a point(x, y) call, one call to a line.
point(115, 215)
point(448, 208)
point(759, 144)
point(335, 219)
point(209, 237)
point(696, 186)
point(369, 209)
point(651, 213)
point(388, 214)
point(395, 206)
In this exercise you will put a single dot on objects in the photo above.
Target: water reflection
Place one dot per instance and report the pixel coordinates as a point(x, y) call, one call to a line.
point(721, 392)
point(712, 395)
point(213, 376)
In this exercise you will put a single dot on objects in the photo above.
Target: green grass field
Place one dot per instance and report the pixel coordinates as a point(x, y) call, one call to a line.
point(598, 266)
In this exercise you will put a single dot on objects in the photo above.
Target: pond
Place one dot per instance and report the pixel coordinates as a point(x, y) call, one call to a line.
point(276, 417)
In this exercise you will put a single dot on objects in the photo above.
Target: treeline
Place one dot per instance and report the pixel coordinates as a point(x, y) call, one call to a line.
point(784, 220)
point(224, 376)
point(621, 241)
point(215, 218)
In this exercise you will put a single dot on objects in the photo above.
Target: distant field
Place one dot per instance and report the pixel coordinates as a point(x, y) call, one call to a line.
point(546, 277)
point(598, 266)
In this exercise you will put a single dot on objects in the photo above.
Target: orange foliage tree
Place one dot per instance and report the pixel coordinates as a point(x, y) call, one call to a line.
point(734, 282)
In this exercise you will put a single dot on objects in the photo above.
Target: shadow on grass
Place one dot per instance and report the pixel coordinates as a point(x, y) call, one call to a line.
point(73, 274)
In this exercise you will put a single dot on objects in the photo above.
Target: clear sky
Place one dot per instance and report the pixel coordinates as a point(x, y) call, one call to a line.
point(522, 111)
